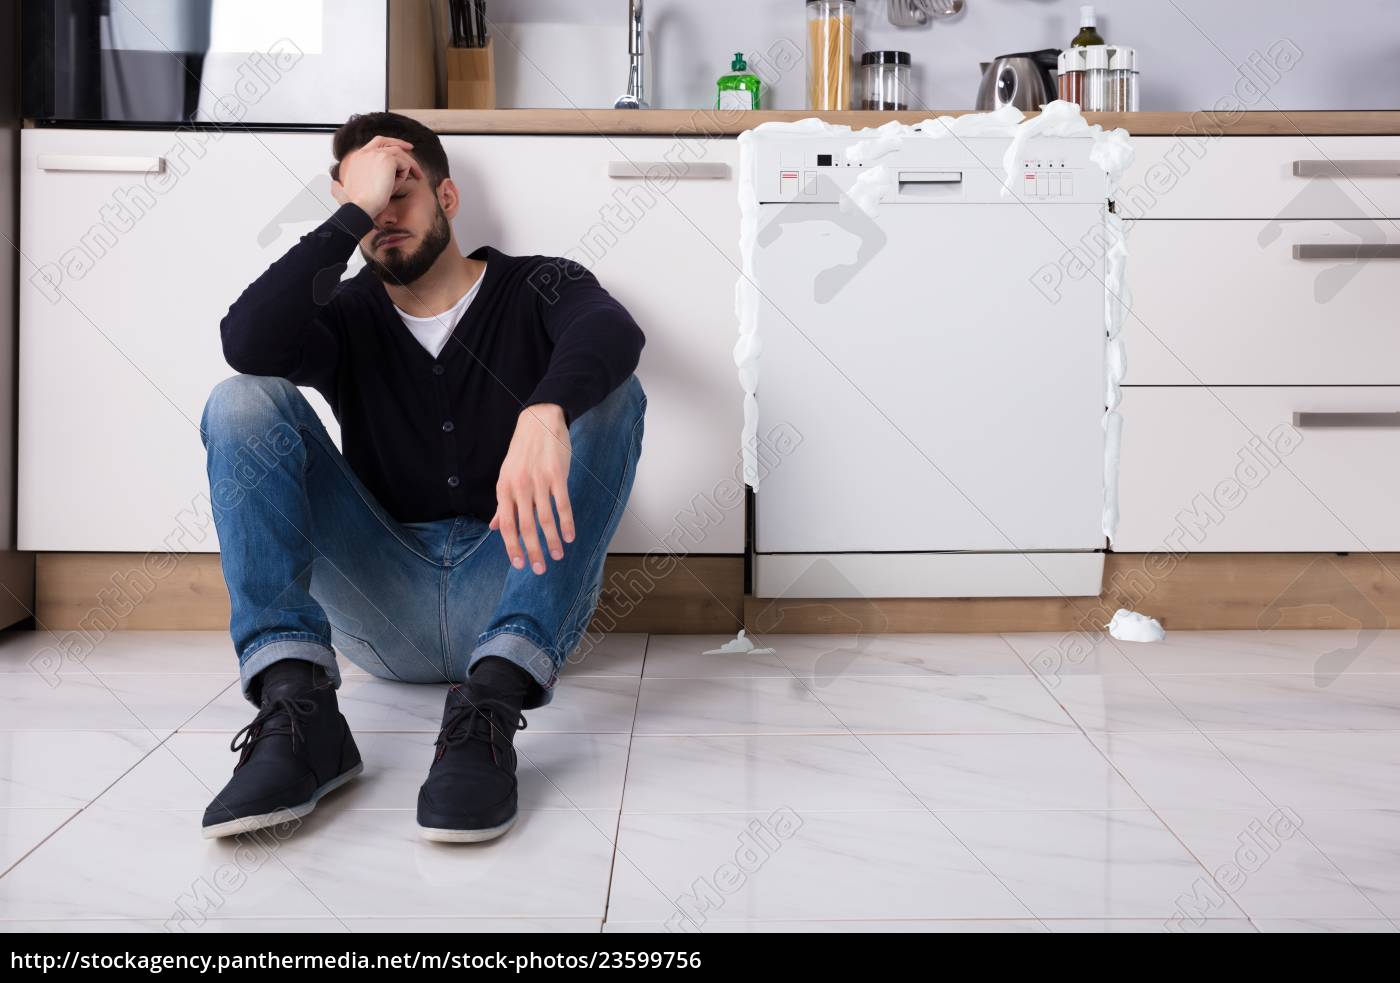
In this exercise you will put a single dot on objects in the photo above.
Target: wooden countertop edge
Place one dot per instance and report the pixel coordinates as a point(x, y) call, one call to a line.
point(721, 123)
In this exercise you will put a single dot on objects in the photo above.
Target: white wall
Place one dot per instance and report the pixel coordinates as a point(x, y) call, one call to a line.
point(1189, 48)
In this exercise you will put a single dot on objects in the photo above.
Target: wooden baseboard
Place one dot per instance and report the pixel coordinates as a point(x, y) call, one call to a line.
point(704, 595)
point(99, 592)
point(103, 592)
point(16, 587)
point(1204, 591)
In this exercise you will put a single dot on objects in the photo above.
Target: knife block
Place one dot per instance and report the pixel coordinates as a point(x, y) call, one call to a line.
point(471, 77)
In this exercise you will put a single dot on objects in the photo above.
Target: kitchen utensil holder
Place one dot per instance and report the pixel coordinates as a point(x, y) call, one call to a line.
point(471, 77)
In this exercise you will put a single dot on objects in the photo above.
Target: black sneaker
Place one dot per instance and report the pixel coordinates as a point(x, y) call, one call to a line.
point(296, 750)
point(470, 794)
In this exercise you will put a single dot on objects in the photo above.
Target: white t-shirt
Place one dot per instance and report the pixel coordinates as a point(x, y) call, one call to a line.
point(432, 332)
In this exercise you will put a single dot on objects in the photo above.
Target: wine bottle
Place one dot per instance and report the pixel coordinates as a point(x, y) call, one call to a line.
point(1088, 35)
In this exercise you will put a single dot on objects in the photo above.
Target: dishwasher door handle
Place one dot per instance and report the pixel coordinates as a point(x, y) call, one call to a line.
point(1368, 421)
point(931, 185)
point(100, 163)
point(1346, 168)
point(929, 177)
point(699, 171)
point(1347, 250)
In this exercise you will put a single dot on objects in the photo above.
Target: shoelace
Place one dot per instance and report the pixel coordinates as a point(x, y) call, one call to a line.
point(461, 726)
point(291, 709)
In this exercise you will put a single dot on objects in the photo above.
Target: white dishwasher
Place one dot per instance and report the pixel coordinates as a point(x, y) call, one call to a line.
point(940, 365)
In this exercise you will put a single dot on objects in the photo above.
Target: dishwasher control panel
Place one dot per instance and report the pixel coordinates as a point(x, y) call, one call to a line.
point(818, 168)
point(1046, 178)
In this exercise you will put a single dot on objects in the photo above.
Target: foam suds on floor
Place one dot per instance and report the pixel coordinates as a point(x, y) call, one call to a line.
point(741, 645)
point(1129, 626)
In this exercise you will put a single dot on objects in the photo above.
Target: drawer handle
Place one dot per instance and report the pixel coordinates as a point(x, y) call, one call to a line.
point(1369, 421)
point(1347, 250)
point(96, 162)
point(1346, 168)
point(703, 171)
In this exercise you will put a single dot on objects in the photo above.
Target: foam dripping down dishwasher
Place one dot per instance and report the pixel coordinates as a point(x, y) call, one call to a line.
point(932, 313)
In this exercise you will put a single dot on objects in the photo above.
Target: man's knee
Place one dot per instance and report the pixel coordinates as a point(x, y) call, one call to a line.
point(243, 405)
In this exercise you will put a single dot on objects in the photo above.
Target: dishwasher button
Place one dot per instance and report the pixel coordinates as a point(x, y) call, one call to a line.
point(1053, 180)
point(809, 183)
point(1030, 186)
point(1067, 184)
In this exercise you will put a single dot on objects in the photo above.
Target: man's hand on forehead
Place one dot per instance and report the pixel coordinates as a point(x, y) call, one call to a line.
point(371, 175)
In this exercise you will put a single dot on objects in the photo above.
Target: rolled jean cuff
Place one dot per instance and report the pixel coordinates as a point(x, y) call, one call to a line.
point(287, 648)
point(517, 646)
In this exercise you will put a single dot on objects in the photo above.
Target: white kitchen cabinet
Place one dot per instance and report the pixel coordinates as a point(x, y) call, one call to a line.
point(1195, 176)
point(1259, 292)
point(1241, 303)
point(1224, 469)
point(671, 257)
point(119, 357)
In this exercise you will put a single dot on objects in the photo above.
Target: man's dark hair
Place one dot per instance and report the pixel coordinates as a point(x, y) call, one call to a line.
point(361, 128)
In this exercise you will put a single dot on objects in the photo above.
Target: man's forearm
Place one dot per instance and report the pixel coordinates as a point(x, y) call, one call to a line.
point(265, 331)
point(593, 355)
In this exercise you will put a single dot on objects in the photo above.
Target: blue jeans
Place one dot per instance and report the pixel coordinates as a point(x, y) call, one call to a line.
point(313, 562)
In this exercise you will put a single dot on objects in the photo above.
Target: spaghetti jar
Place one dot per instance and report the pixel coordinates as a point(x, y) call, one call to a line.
point(830, 33)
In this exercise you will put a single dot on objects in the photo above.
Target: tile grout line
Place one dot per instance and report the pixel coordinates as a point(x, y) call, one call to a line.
point(622, 794)
point(917, 798)
point(1209, 739)
point(164, 744)
point(1079, 729)
point(1029, 668)
point(1205, 735)
point(617, 848)
point(112, 784)
point(1119, 772)
point(1137, 671)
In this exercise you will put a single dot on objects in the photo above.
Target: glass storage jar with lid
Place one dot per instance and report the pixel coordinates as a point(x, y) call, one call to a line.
point(1070, 77)
point(1122, 80)
point(884, 80)
point(1096, 81)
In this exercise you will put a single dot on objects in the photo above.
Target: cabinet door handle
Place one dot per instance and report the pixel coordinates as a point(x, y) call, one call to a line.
point(702, 171)
point(97, 162)
point(1346, 168)
point(1368, 421)
point(1347, 250)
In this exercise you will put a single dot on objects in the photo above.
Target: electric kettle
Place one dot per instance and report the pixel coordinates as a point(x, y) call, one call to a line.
point(1025, 80)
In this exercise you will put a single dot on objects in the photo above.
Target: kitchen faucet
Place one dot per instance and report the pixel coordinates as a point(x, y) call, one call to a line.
point(636, 93)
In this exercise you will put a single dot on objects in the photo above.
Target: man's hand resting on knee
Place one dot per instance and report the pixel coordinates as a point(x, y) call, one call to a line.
point(535, 473)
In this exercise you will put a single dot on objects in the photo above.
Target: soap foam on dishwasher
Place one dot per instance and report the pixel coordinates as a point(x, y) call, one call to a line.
point(866, 193)
point(1112, 151)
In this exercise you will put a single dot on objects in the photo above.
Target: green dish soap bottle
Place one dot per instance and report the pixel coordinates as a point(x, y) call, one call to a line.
point(740, 89)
